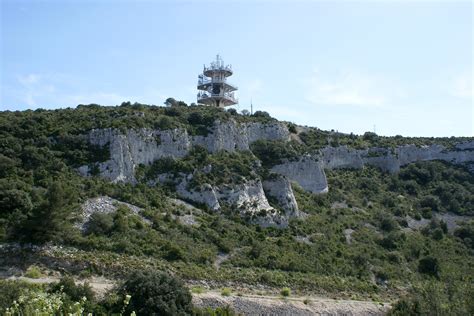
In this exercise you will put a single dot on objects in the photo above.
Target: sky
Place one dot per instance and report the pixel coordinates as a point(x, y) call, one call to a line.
point(393, 67)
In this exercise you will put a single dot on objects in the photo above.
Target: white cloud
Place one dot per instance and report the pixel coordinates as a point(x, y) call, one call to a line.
point(28, 80)
point(346, 89)
point(461, 86)
point(31, 87)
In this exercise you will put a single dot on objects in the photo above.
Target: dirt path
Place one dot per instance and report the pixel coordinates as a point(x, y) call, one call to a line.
point(248, 304)
point(99, 285)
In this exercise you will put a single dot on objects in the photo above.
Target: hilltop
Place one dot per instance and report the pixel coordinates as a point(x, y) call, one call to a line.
point(222, 199)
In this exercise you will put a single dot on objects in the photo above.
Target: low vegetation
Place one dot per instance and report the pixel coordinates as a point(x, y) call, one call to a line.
point(355, 240)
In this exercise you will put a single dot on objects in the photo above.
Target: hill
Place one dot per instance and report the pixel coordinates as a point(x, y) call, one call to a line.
point(221, 199)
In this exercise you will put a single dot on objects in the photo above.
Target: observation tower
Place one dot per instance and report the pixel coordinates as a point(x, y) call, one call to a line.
point(213, 87)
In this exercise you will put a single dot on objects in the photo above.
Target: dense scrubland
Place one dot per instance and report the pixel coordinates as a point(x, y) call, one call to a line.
point(355, 241)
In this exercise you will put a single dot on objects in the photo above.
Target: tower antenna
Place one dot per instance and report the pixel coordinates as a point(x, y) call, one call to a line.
point(251, 107)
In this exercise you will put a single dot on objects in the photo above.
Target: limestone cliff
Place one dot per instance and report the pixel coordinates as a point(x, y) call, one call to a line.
point(307, 172)
point(391, 160)
point(130, 148)
point(133, 147)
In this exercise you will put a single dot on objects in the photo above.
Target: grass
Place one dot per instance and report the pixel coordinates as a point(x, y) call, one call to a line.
point(33, 272)
point(198, 290)
point(226, 291)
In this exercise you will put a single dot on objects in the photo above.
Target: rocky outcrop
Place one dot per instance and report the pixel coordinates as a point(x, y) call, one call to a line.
point(232, 136)
point(307, 172)
point(391, 160)
point(131, 148)
point(279, 188)
point(246, 198)
point(341, 157)
point(134, 147)
point(104, 205)
point(204, 194)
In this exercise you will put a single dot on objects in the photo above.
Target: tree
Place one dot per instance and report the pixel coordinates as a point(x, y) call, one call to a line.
point(429, 265)
point(157, 293)
point(262, 114)
point(51, 218)
point(171, 102)
point(232, 111)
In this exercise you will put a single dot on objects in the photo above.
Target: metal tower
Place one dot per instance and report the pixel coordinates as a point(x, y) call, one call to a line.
point(213, 85)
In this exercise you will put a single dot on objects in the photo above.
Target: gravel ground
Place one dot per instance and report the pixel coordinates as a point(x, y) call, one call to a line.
point(273, 305)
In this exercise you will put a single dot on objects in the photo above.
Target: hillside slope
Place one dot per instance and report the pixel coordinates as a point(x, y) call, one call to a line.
point(105, 190)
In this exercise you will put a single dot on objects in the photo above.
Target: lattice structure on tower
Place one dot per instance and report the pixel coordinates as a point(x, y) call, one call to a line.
point(213, 87)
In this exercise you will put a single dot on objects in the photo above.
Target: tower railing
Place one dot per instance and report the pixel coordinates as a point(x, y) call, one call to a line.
point(226, 95)
point(218, 67)
point(202, 81)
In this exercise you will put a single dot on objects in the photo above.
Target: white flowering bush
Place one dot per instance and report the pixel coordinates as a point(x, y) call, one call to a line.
point(39, 303)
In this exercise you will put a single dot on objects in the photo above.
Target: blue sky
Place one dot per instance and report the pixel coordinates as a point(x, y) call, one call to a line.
point(404, 67)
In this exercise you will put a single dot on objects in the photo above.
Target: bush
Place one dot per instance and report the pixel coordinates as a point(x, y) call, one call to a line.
point(33, 272)
point(261, 114)
point(157, 293)
point(198, 290)
point(219, 311)
point(10, 291)
point(273, 152)
point(75, 292)
point(429, 265)
point(285, 292)
point(100, 224)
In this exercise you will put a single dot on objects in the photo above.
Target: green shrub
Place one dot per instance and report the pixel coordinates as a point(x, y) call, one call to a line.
point(198, 290)
point(226, 291)
point(100, 224)
point(285, 292)
point(75, 292)
point(157, 293)
point(11, 290)
point(273, 152)
point(429, 265)
point(219, 311)
point(33, 272)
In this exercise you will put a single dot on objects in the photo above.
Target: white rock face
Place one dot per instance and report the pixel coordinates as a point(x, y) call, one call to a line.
point(143, 146)
point(307, 172)
point(248, 197)
point(392, 159)
point(280, 189)
point(205, 194)
point(465, 145)
point(341, 157)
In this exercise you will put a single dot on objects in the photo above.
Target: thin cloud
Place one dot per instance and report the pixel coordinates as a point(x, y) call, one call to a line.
point(254, 86)
point(345, 89)
point(461, 87)
point(33, 86)
point(61, 90)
